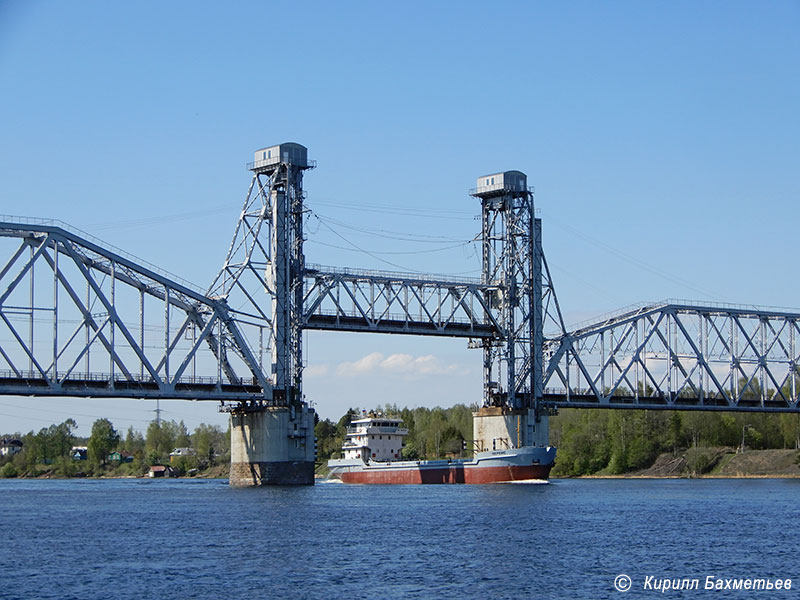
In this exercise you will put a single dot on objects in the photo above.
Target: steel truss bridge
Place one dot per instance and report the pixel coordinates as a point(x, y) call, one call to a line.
point(80, 318)
point(678, 355)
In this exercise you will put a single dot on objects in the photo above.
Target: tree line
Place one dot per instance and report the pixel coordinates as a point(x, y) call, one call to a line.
point(50, 450)
point(619, 441)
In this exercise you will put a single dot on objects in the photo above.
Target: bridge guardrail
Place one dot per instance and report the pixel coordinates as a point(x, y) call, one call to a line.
point(100, 377)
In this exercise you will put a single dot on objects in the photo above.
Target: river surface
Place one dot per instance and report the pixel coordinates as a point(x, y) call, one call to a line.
point(166, 539)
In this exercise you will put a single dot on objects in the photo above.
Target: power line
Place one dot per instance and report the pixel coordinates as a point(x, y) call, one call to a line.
point(69, 413)
point(633, 260)
point(134, 223)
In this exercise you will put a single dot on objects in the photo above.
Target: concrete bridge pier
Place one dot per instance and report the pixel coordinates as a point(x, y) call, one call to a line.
point(272, 445)
point(501, 428)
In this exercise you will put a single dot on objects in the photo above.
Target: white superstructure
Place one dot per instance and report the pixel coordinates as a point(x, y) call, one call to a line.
point(377, 439)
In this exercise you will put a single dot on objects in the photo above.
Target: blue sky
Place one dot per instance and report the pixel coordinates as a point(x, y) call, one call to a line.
point(662, 139)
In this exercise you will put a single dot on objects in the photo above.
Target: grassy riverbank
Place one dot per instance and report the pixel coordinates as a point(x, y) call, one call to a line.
point(717, 462)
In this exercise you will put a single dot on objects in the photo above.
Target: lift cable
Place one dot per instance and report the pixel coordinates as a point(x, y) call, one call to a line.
point(368, 253)
point(384, 233)
point(395, 210)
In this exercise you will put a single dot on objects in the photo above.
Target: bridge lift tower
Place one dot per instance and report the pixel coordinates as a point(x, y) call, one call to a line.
point(272, 440)
point(512, 271)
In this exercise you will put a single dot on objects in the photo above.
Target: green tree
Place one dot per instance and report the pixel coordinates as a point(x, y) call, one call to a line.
point(61, 438)
point(675, 426)
point(209, 442)
point(8, 470)
point(134, 443)
point(790, 428)
point(48, 444)
point(103, 440)
point(328, 440)
point(182, 439)
point(160, 439)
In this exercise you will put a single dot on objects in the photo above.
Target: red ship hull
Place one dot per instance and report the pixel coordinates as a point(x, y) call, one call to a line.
point(448, 474)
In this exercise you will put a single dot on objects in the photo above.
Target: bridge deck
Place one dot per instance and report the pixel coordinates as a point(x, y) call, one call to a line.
point(561, 400)
point(398, 326)
point(99, 386)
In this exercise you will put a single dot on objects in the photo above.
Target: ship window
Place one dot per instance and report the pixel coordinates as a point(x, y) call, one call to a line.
point(390, 437)
point(380, 437)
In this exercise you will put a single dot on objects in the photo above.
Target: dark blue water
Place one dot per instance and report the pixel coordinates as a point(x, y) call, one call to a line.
point(567, 539)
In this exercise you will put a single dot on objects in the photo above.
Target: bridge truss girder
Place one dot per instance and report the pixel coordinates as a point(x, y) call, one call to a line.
point(80, 297)
point(383, 302)
point(680, 356)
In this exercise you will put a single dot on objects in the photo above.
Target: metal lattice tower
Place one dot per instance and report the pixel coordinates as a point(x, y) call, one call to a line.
point(511, 267)
point(267, 253)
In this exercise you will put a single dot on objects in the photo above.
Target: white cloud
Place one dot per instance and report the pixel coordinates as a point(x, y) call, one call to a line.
point(320, 370)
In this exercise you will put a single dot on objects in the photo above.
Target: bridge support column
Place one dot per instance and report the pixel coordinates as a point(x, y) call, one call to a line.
point(500, 428)
point(272, 446)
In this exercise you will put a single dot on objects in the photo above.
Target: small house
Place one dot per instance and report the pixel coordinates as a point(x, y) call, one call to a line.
point(178, 452)
point(78, 452)
point(162, 471)
point(120, 457)
point(10, 446)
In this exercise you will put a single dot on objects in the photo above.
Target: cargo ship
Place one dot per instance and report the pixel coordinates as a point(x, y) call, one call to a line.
point(372, 453)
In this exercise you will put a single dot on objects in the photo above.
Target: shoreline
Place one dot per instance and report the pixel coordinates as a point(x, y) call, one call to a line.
point(106, 477)
point(742, 476)
point(716, 462)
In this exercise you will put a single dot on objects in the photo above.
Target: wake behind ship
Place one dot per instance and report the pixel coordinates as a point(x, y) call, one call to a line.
point(373, 452)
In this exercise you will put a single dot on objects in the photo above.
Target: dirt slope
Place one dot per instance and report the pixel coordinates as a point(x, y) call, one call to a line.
point(724, 462)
